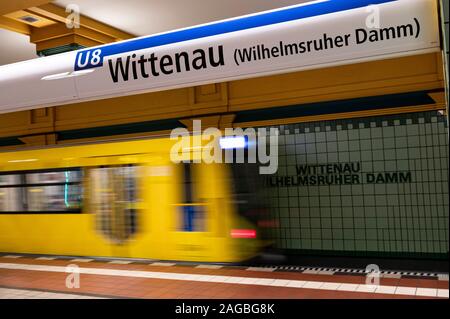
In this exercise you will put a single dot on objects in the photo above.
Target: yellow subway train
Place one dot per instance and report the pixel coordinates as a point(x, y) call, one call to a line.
point(128, 199)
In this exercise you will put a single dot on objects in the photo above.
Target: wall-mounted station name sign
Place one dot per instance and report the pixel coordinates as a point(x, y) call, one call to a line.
point(337, 174)
point(311, 35)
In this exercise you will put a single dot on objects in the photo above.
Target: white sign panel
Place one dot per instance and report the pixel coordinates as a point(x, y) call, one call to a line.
point(311, 35)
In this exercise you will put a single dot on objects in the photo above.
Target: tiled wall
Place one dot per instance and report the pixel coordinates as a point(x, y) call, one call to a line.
point(393, 217)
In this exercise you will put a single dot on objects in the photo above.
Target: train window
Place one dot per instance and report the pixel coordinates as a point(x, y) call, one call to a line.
point(47, 191)
point(192, 212)
point(54, 177)
point(113, 200)
point(10, 180)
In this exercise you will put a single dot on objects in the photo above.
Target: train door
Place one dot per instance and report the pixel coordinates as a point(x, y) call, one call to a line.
point(113, 199)
point(194, 209)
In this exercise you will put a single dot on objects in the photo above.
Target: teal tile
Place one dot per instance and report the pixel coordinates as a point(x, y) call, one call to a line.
point(337, 229)
point(348, 233)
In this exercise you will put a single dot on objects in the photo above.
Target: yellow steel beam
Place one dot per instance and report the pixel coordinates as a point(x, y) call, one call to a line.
point(11, 6)
point(60, 30)
point(65, 40)
point(15, 26)
point(40, 23)
point(51, 31)
point(59, 14)
point(55, 31)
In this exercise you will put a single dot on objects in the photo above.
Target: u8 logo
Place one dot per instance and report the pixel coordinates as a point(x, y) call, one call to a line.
point(88, 59)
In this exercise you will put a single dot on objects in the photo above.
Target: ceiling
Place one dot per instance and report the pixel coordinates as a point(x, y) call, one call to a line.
point(142, 17)
point(15, 47)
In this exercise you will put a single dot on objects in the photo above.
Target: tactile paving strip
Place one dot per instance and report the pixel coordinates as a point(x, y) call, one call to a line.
point(265, 268)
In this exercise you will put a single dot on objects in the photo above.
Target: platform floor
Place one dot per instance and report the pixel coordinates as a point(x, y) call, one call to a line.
point(45, 277)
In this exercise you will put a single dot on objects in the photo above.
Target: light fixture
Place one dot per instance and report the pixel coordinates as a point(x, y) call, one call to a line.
point(29, 19)
point(232, 142)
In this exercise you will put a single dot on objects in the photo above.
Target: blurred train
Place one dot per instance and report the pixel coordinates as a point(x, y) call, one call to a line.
point(128, 199)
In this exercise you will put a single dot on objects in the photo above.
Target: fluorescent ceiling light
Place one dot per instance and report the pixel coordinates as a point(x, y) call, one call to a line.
point(232, 142)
